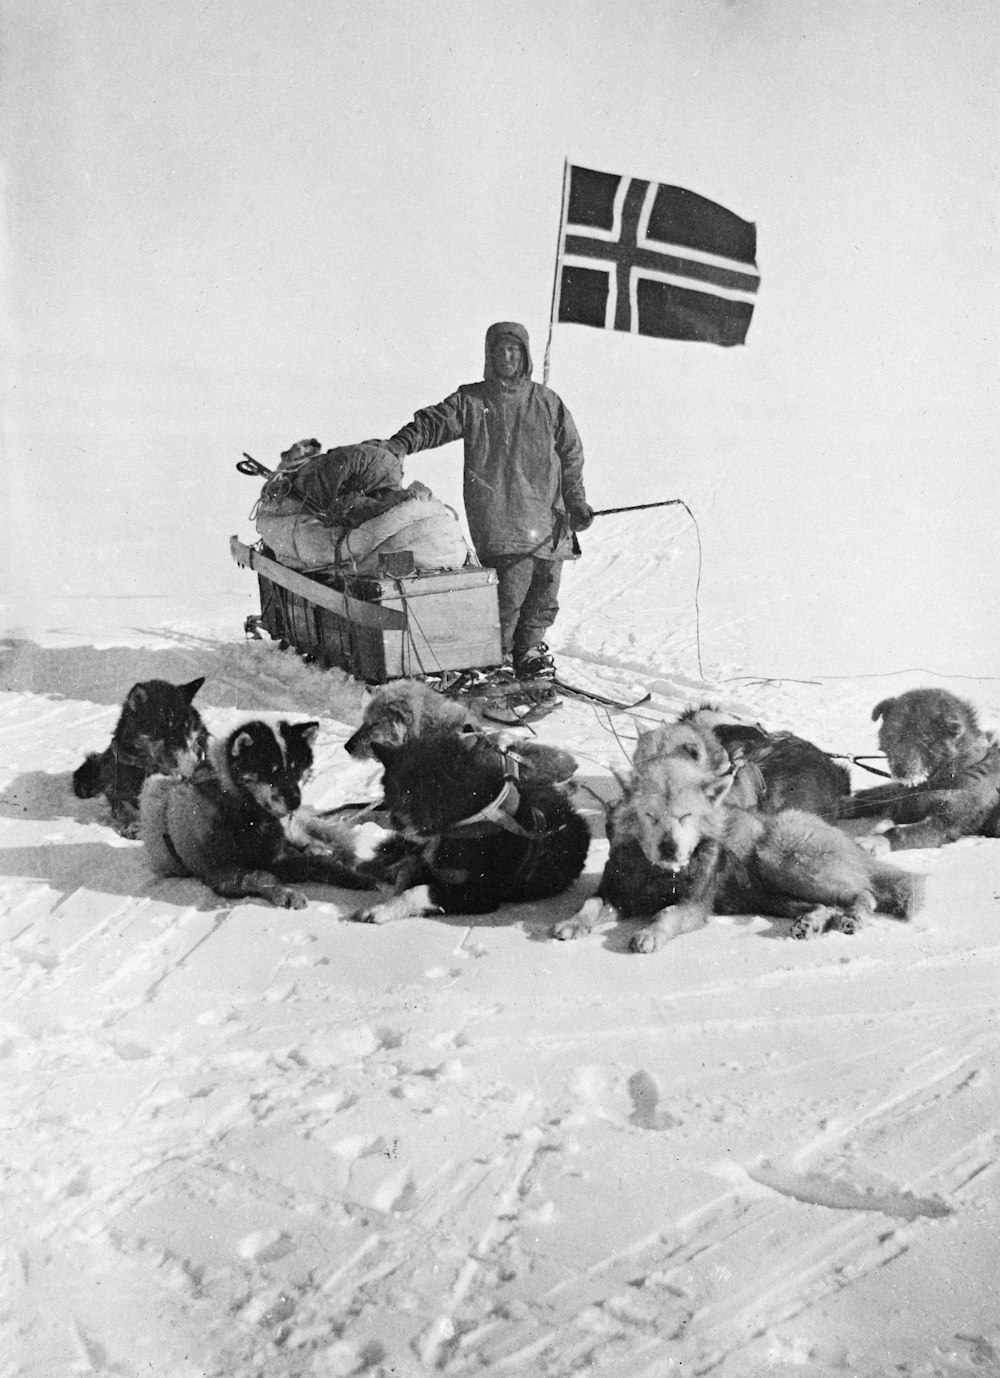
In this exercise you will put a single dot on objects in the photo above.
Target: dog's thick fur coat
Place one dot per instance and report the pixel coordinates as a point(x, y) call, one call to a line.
point(472, 838)
point(159, 732)
point(774, 770)
point(947, 769)
point(680, 851)
point(225, 823)
point(405, 709)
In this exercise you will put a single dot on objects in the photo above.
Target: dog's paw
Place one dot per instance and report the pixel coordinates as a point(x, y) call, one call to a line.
point(582, 922)
point(668, 924)
point(571, 928)
point(816, 921)
point(875, 844)
point(847, 922)
point(649, 939)
point(378, 913)
point(285, 898)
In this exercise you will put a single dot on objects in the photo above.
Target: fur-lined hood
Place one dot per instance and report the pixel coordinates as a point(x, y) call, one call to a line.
point(497, 332)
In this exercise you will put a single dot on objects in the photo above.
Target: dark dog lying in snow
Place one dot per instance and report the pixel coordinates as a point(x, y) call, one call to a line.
point(472, 835)
point(227, 823)
point(680, 850)
point(774, 770)
point(159, 732)
point(947, 772)
point(406, 709)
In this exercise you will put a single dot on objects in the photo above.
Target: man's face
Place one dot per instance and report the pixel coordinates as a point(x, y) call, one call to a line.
point(508, 359)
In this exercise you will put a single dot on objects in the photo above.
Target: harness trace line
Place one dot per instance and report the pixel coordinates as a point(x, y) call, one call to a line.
point(673, 502)
point(860, 761)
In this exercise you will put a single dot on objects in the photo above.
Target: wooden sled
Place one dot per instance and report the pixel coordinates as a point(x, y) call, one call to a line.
point(379, 627)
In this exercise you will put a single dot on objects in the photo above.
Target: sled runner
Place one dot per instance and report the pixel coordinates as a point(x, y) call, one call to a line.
point(379, 626)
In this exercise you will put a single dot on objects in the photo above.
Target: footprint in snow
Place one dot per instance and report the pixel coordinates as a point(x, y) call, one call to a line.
point(645, 1096)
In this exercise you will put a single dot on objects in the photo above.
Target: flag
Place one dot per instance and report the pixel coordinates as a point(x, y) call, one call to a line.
point(654, 260)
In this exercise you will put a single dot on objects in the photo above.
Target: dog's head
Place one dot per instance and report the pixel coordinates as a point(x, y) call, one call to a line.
point(925, 731)
point(669, 812)
point(689, 738)
point(432, 783)
point(400, 711)
point(269, 762)
point(720, 747)
point(160, 726)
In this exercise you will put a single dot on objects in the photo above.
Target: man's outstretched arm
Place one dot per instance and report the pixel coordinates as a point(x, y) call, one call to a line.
point(430, 427)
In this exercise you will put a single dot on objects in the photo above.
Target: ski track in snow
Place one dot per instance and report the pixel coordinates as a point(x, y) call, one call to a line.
point(248, 1141)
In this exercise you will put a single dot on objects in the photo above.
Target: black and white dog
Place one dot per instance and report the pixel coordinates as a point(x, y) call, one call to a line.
point(228, 823)
point(470, 834)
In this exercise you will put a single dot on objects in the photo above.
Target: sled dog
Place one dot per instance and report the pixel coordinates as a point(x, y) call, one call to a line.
point(159, 732)
point(946, 769)
point(679, 851)
point(774, 770)
point(471, 833)
point(226, 824)
point(405, 709)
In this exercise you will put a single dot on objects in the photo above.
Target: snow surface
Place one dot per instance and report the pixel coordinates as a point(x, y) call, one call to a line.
point(248, 1141)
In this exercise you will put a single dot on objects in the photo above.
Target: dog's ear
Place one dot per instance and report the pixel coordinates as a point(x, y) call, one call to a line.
point(239, 742)
point(308, 731)
point(881, 708)
point(189, 690)
point(733, 735)
point(137, 697)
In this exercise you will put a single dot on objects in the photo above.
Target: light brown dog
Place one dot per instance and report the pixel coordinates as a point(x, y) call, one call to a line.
point(405, 710)
point(947, 772)
point(402, 710)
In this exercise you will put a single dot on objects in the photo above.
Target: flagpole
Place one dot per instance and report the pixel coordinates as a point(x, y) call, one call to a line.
point(555, 275)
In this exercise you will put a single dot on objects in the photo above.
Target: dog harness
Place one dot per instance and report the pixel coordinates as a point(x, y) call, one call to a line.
point(498, 813)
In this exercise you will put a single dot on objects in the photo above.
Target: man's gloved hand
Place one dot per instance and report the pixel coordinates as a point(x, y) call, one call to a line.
point(581, 517)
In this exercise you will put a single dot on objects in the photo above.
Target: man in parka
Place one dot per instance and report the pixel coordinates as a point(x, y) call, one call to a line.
point(523, 487)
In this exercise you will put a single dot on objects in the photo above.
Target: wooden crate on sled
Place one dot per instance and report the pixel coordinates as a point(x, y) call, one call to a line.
point(380, 627)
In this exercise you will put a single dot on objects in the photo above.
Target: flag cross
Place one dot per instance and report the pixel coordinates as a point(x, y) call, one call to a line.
point(653, 259)
point(627, 254)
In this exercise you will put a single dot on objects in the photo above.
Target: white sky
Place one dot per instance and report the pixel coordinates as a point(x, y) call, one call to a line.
point(233, 226)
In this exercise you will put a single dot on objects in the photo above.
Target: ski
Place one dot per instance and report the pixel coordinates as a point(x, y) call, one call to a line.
point(510, 700)
point(591, 696)
point(502, 699)
point(520, 701)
